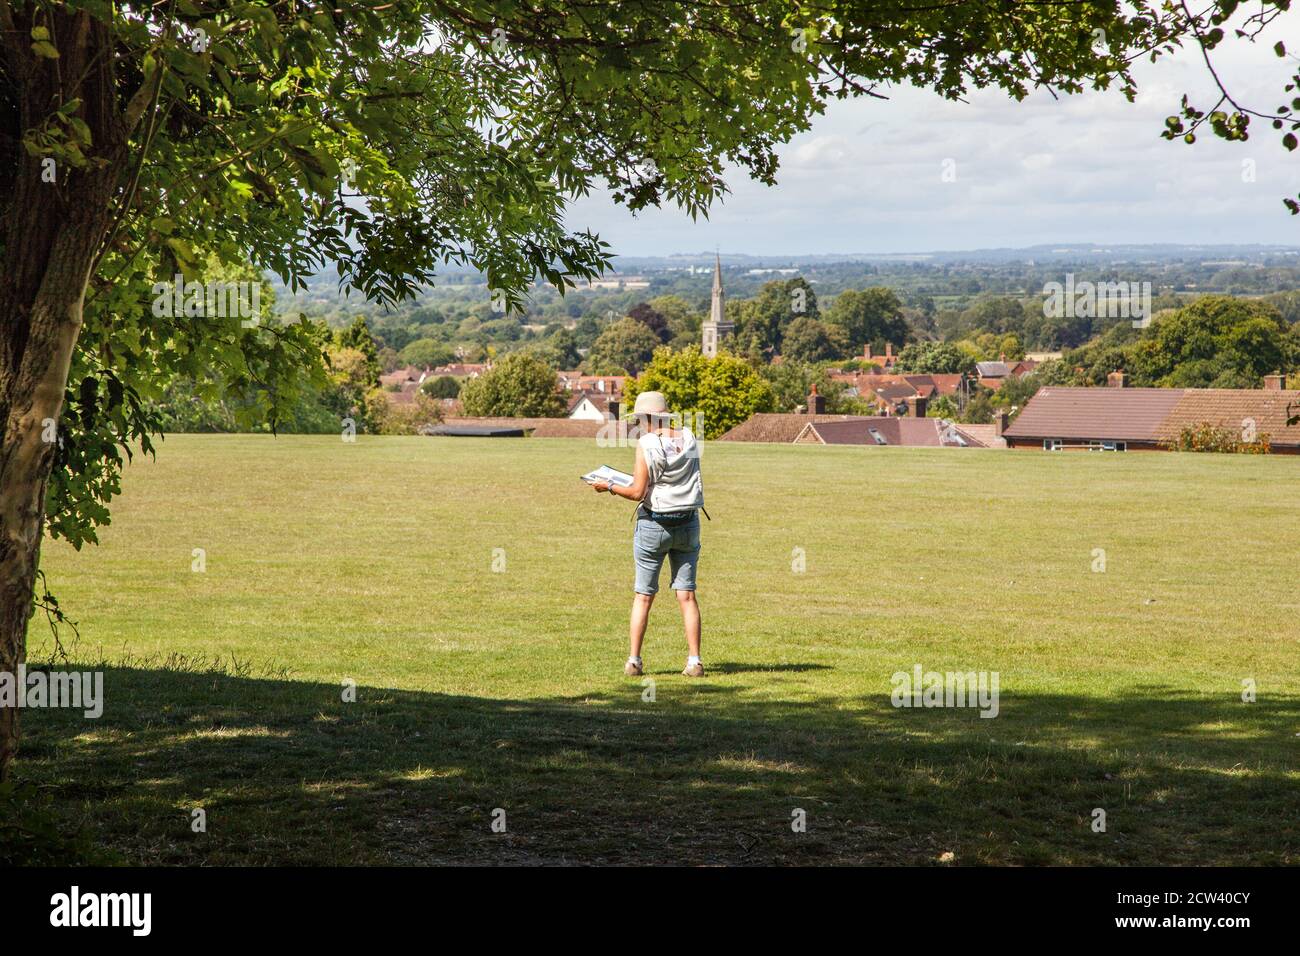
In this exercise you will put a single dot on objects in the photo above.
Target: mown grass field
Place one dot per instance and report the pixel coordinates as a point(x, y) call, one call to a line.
point(482, 689)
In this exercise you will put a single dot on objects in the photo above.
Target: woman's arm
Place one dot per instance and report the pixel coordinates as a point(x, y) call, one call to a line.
point(640, 481)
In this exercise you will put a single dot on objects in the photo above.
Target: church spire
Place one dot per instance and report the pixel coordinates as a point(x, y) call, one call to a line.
point(716, 326)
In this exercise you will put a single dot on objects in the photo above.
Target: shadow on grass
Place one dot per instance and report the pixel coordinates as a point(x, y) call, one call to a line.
point(733, 668)
point(707, 773)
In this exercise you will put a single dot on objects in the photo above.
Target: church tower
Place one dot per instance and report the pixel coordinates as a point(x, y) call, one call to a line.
point(716, 326)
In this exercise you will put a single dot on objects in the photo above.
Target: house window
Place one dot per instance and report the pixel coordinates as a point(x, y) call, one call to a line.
point(1053, 444)
point(1107, 446)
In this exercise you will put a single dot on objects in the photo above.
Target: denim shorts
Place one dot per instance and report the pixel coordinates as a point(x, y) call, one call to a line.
point(652, 542)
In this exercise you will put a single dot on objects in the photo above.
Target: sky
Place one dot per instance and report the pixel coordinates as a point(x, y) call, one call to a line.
point(868, 176)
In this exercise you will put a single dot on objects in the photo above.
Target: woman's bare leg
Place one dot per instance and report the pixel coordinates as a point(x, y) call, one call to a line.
point(690, 620)
point(640, 615)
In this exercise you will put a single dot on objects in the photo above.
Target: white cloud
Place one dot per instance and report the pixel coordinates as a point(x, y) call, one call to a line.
point(1088, 168)
point(821, 153)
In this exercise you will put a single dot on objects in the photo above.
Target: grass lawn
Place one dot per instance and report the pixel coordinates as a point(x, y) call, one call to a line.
point(480, 689)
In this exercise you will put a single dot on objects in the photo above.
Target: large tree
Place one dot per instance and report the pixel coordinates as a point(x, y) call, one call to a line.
point(807, 340)
point(763, 320)
point(934, 357)
point(716, 393)
point(624, 346)
point(1214, 341)
point(872, 316)
point(520, 385)
point(652, 319)
point(139, 139)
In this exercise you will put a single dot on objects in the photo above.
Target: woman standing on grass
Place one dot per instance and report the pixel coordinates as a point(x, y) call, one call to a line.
point(667, 488)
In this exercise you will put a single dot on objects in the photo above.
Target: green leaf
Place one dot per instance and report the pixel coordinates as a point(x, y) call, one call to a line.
point(45, 49)
point(81, 130)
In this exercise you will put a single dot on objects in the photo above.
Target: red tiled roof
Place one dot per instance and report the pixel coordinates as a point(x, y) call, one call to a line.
point(906, 432)
point(1155, 414)
point(895, 393)
point(405, 395)
point(868, 380)
point(1266, 410)
point(1121, 414)
point(461, 370)
point(777, 427)
point(982, 436)
point(945, 383)
point(576, 381)
point(400, 376)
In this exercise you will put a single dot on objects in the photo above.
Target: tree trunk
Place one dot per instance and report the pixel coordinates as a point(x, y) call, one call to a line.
point(50, 236)
point(34, 401)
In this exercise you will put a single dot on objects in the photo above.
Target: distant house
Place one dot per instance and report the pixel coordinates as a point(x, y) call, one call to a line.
point(404, 376)
point(400, 385)
point(886, 361)
point(984, 436)
point(594, 406)
point(462, 369)
point(816, 427)
point(886, 392)
point(941, 384)
point(894, 397)
point(776, 427)
point(593, 397)
point(577, 381)
point(1118, 418)
point(993, 374)
point(884, 430)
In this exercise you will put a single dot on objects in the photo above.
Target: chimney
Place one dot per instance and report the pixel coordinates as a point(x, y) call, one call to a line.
point(889, 351)
point(1117, 379)
point(816, 403)
point(1001, 420)
point(866, 352)
point(916, 406)
point(1275, 382)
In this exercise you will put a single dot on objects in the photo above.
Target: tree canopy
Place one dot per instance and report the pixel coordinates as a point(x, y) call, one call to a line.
point(519, 385)
point(934, 357)
point(1214, 342)
point(869, 316)
point(763, 320)
point(719, 393)
point(624, 346)
point(807, 340)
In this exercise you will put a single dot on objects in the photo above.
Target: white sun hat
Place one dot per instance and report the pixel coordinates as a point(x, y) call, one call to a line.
point(650, 403)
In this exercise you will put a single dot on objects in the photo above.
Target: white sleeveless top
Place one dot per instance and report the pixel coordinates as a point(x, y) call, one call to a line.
point(674, 467)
